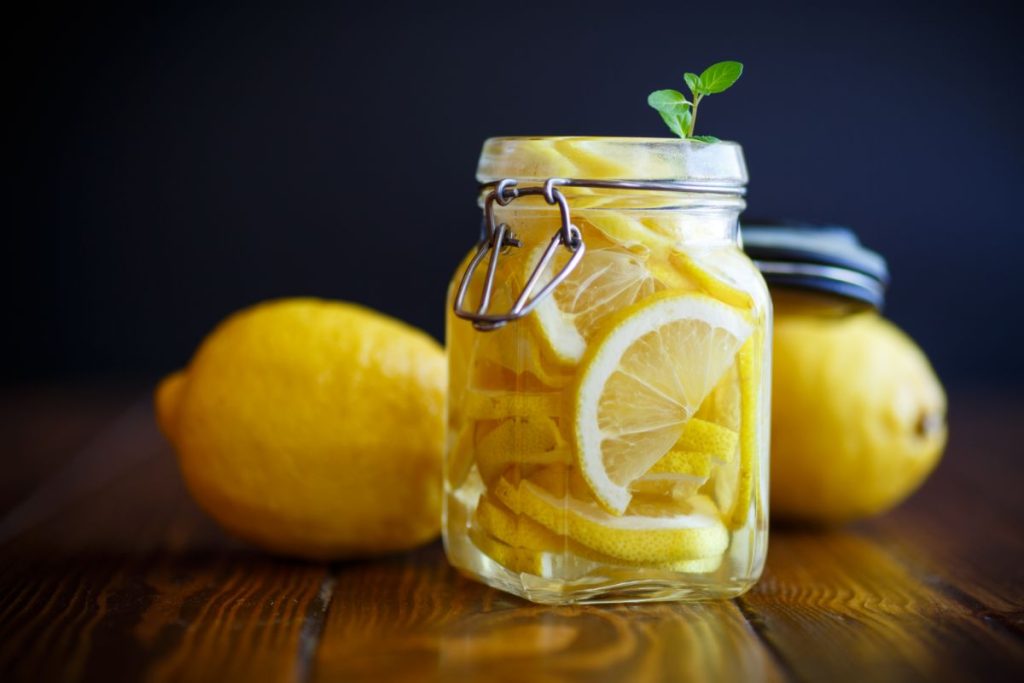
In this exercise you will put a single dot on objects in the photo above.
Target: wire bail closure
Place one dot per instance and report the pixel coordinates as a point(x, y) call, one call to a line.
point(499, 238)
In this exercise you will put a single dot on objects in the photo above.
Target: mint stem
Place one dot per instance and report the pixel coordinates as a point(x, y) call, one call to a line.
point(693, 117)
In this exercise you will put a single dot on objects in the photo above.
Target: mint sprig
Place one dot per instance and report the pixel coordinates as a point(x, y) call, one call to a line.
point(679, 113)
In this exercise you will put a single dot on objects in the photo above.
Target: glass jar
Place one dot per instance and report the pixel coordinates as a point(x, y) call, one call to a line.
point(609, 368)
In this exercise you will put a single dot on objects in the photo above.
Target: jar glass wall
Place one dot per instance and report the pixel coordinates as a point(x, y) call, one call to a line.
point(612, 444)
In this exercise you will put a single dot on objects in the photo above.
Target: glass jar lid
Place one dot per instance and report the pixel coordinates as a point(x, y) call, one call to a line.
point(826, 258)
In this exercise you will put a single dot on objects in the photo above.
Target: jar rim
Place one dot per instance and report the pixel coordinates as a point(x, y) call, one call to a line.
point(536, 158)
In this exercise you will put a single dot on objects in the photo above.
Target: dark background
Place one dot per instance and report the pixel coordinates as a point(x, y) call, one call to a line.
point(172, 164)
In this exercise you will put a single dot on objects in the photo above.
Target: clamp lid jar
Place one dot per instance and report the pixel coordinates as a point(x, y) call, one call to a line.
point(608, 360)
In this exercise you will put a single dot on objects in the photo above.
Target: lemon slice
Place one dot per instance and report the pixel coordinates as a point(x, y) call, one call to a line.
point(519, 542)
point(665, 274)
point(507, 357)
point(678, 486)
point(722, 406)
point(682, 471)
point(629, 231)
point(704, 436)
point(524, 546)
point(459, 457)
point(642, 380)
point(603, 282)
point(650, 534)
point(531, 441)
point(499, 405)
point(590, 160)
point(656, 535)
point(724, 273)
point(511, 356)
point(529, 561)
point(514, 530)
point(537, 159)
point(684, 462)
point(750, 425)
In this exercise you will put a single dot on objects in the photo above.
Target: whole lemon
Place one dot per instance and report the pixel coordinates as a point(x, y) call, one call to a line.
point(313, 428)
point(858, 416)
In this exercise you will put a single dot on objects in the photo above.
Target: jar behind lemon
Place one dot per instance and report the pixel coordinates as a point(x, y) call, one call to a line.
point(611, 445)
point(858, 415)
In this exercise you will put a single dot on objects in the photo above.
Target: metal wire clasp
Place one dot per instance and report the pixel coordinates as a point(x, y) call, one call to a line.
point(497, 239)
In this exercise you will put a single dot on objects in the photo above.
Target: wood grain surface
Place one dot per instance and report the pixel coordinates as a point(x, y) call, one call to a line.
point(109, 572)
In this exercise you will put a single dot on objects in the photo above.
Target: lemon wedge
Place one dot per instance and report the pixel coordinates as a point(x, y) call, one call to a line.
point(642, 380)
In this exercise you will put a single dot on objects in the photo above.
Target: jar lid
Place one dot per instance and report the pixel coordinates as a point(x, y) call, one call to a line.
point(820, 258)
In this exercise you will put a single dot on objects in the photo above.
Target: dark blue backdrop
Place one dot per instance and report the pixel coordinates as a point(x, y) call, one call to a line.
point(172, 165)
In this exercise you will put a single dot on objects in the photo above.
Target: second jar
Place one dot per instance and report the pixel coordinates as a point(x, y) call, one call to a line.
point(609, 375)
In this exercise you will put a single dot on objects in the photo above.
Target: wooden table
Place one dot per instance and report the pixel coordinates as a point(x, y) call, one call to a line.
point(109, 572)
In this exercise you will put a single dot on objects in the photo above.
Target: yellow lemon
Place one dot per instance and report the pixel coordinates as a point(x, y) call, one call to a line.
point(858, 417)
point(313, 428)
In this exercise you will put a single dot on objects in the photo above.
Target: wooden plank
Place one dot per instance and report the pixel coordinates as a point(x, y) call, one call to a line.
point(413, 618)
point(132, 582)
point(837, 605)
point(122, 578)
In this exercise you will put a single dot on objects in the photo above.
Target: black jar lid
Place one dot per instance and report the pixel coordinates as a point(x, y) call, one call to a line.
point(819, 258)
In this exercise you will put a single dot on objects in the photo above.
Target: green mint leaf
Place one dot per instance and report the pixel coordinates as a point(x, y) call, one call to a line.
point(680, 114)
point(692, 82)
point(674, 124)
point(719, 77)
point(669, 102)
